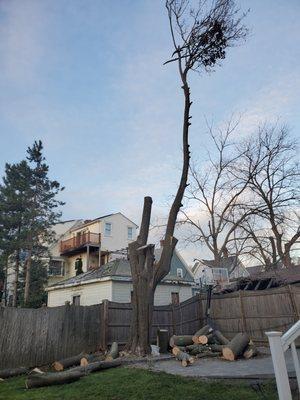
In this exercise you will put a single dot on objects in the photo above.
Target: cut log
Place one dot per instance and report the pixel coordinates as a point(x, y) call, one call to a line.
point(87, 359)
point(205, 339)
point(250, 351)
point(53, 378)
point(208, 354)
point(183, 340)
point(163, 340)
point(203, 331)
point(114, 352)
point(10, 372)
point(216, 347)
point(220, 337)
point(196, 349)
point(98, 366)
point(185, 358)
point(236, 346)
point(67, 362)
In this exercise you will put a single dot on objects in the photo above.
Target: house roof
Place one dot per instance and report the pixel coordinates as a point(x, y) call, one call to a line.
point(255, 269)
point(229, 263)
point(91, 221)
point(281, 275)
point(121, 268)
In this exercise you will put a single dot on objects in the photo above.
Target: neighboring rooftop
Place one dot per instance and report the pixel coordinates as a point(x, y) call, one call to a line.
point(121, 268)
point(230, 263)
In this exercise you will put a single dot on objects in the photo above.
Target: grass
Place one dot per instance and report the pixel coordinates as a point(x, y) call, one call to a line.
point(136, 384)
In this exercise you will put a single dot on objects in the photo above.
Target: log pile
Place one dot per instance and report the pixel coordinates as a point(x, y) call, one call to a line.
point(82, 364)
point(209, 342)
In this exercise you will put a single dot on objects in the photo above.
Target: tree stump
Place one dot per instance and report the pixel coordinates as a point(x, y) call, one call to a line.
point(163, 340)
point(113, 353)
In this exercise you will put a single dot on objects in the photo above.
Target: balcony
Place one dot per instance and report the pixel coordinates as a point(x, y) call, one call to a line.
point(80, 243)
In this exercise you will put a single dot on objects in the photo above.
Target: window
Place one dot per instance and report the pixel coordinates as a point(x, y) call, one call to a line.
point(175, 297)
point(56, 268)
point(129, 233)
point(179, 273)
point(108, 229)
point(76, 300)
point(220, 275)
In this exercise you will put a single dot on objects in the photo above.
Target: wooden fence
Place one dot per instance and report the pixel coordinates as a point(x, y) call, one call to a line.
point(37, 337)
point(31, 337)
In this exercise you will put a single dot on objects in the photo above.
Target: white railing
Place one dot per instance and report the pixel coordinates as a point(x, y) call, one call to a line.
point(278, 345)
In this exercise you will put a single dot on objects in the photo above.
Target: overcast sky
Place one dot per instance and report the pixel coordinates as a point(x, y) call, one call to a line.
point(87, 78)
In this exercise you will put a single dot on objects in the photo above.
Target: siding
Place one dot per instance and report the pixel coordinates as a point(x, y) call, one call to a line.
point(93, 293)
point(122, 293)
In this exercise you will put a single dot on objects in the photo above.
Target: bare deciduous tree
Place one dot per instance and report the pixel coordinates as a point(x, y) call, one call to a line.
point(216, 198)
point(275, 185)
point(200, 38)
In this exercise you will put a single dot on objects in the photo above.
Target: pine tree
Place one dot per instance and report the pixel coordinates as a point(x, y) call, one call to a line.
point(14, 195)
point(43, 214)
point(28, 210)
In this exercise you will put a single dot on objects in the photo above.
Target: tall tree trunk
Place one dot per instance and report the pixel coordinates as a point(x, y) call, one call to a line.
point(145, 270)
point(27, 278)
point(16, 280)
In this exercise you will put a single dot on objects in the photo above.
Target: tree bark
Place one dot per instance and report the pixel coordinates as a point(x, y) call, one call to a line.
point(27, 277)
point(113, 353)
point(184, 340)
point(236, 346)
point(10, 372)
point(16, 281)
point(163, 340)
point(68, 362)
point(220, 337)
point(53, 378)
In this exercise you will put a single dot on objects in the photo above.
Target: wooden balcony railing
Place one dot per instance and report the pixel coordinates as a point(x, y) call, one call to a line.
point(80, 240)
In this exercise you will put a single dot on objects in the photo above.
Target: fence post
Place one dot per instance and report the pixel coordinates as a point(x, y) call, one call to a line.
point(173, 320)
point(242, 312)
point(281, 375)
point(201, 316)
point(294, 304)
point(104, 327)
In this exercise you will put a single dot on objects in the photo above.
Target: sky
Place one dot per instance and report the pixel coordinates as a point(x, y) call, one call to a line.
point(87, 78)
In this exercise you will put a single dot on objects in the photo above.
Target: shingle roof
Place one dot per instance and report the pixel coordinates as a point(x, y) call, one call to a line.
point(229, 263)
point(121, 268)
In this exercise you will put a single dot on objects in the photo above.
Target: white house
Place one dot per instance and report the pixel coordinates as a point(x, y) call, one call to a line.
point(95, 242)
point(112, 281)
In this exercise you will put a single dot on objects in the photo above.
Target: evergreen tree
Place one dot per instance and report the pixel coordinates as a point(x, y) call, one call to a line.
point(42, 212)
point(14, 195)
point(28, 210)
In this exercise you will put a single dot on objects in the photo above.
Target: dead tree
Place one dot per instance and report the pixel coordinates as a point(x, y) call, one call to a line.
point(200, 38)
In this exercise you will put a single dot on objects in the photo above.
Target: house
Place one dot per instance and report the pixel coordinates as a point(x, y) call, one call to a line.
point(229, 268)
point(112, 281)
point(95, 242)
